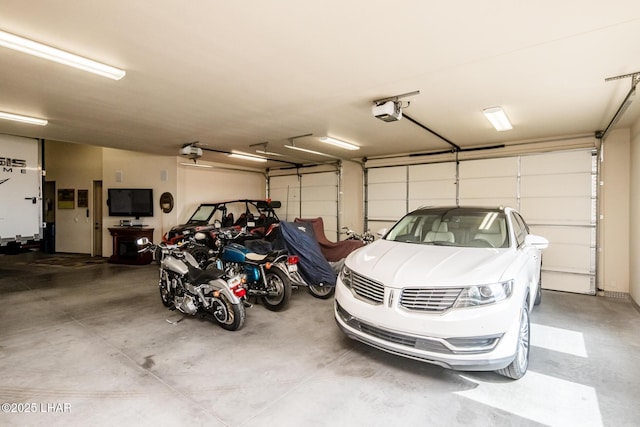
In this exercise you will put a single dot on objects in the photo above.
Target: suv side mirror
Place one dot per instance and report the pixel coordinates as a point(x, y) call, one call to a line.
point(537, 242)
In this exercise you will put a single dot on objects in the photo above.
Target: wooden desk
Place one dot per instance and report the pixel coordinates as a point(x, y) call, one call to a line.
point(125, 248)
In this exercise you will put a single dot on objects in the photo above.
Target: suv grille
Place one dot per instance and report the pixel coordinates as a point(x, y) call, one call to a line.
point(368, 289)
point(433, 299)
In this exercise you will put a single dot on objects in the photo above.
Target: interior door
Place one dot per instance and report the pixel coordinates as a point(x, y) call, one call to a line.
point(97, 218)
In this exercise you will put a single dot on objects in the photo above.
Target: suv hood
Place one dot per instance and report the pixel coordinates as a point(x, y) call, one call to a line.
point(398, 264)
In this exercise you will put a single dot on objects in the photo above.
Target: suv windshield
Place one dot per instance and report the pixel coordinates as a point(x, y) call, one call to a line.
point(463, 227)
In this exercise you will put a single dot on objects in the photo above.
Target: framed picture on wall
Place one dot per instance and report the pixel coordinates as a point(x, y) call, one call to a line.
point(66, 198)
point(83, 198)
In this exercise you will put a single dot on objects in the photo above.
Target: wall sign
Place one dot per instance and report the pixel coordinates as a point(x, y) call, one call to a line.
point(66, 198)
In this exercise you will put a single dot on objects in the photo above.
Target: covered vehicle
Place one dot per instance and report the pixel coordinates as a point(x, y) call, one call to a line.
point(451, 286)
point(332, 251)
point(257, 215)
point(314, 270)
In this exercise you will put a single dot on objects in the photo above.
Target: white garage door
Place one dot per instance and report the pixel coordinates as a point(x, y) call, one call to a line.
point(555, 192)
point(309, 195)
point(286, 190)
point(386, 198)
point(558, 200)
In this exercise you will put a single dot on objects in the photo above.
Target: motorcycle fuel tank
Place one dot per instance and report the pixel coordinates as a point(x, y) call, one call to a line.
point(234, 252)
point(175, 265)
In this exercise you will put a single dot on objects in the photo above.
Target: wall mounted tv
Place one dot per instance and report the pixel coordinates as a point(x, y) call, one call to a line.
point(135, 202)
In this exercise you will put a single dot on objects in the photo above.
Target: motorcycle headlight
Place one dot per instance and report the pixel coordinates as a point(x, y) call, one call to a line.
point(345, 276)
point(475, 296)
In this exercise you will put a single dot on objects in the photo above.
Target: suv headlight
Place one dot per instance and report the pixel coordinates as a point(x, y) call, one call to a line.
point(345, 276)
point(475, 296)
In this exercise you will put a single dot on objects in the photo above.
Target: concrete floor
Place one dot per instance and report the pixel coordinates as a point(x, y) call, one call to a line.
point(91, 346)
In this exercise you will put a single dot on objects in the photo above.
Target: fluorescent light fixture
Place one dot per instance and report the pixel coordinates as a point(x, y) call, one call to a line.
point(339, 143)
point(246, 156)
point(498, 118)
point(196, 165)
point(304, 150)
point(24, 119)
point(268, 153)
point(52, 54)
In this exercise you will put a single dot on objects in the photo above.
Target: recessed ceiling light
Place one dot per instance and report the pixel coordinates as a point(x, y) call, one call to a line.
point(60, 56)
point(339, 143)
point(24, 119)
point(497, 118)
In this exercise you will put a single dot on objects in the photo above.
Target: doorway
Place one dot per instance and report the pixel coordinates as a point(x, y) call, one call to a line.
point(97, 218)
point(49, 206)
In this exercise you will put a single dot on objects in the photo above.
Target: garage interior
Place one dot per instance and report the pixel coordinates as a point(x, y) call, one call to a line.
point(210, 83)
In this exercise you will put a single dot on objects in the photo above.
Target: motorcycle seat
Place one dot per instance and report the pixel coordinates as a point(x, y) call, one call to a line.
point(198, 276)
point(252, 256)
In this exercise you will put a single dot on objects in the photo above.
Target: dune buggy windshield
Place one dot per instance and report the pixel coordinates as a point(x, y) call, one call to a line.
point(461, 227)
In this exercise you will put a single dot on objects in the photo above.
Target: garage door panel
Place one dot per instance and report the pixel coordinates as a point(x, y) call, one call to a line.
point(319, 194)
point(327, 193)
point(511, 202)
point(320, 179)
point(432, 185)
point(418, 203)
point(506, 166)
point(571, 258)
point(548, 185)
point(383, 210)
point(490, 187)
point(563, 162)
point(286, 190)
point(557, 210)
point(318, 208)
point(388, 191)
point(431, 172)
point(432, 190)
point(384, 175)
point(577, 234)
point(567, 282)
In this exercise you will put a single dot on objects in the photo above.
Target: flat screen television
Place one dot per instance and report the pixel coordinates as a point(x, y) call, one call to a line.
point(136, 202)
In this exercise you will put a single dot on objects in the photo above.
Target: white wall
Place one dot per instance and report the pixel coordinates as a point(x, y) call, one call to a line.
point(73, 166)
point(138, 170)
point(613, 251)
point(634, 203)
point(351, 210)
point(216, 184)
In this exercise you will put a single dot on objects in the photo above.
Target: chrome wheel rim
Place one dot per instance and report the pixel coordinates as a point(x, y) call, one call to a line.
point(522, 355)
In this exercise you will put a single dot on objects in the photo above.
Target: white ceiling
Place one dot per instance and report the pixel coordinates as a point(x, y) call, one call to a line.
point(234, 74)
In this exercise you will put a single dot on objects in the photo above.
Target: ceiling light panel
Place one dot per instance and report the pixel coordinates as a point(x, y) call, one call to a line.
point(339, 143)
point(305, 150)
point(498, 118)
point(40, 50)
point(246, 156)
point(23, 119)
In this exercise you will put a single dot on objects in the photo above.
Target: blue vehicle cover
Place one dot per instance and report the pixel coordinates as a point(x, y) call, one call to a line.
point(299, 239)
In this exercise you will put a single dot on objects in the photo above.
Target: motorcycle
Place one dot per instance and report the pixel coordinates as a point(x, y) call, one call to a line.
point(267, 276)
point(212, 293)
point(366, 237)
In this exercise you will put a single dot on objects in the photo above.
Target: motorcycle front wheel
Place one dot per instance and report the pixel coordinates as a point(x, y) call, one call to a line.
point(321, 291)
point(166, 295)
point(279, 286)
point(228, 315)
